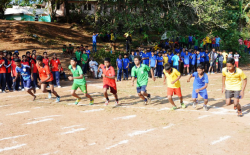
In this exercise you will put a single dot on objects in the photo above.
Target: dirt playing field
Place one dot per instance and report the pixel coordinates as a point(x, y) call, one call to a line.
point(46, 127)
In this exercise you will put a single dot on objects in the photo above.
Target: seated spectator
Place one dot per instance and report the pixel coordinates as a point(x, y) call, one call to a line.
point(93, 65)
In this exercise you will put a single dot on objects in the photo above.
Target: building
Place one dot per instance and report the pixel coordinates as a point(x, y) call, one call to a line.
point(37, 12)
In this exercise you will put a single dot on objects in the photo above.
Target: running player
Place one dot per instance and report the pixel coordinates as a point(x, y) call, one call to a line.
point(141, 72)
point(174, 86)
point(79, 81)
point(27, 76)
point(46, 78)
point(232, 78)
point(108, 80)
point(199, 86)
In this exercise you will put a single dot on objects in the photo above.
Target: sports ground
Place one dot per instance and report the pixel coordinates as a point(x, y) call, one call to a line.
point(44, 127)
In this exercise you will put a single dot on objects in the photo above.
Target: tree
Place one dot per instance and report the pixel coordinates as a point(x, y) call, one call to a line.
point(3, 6)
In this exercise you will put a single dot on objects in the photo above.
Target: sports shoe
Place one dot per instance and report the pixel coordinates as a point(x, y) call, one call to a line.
point(116, 103)
point(91, 102)
point(3, 91)
point(57, 99)
point(173, 108)
point(145, 102)
point(37, 88)
point(49, 96)
point(212, 73)
point(240, 113)
point(183, 74)
point(194, 104)
point(235, 108)
point(22, 89)
point(106, 103)
point(205, 107)
point(208, 73)
point(59, 86)
point(149, 98)
point(77, 101)
point(183, 106)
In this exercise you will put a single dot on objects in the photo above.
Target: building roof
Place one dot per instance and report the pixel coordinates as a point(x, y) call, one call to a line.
point(16, 10)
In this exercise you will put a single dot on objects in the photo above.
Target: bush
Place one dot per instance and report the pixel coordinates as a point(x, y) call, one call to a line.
point(100, 55)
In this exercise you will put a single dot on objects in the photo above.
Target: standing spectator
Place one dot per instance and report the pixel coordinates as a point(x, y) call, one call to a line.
point(94, 68)
point(196, 43)
point(55, 65)
point(236, 58)
point(119, 65)
point(193, 63)
point(94, 41)
point(202, 57)
point(159, 67)
point(190, 41)
point(225, 55)
point(213, 42)
point(212, 57)
point(186, 63)
point(170, 55)
point(220, 62)
point(78, 54)
point(217, 42)
point(131, 61)
point(112, 40)
point(70, 49)
point(45, 59)
point(2, 73)
point(125, 67)
point(14, 73)
point(206, 61)
point(128, 41)
point(176, 60)
point(87, 51)
point(84, 59)
point(230, 55)
point(145, 57)
point(64, 49)
point(8, 71)
point(165, 59)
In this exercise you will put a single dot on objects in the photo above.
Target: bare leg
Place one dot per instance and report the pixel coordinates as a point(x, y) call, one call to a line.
point(52, 90)
point(30, 92)
point(141, 96)
point(181, 99)
point(105, 92)
point(116, 97)
point(88, 96)
point(144, 94)
point(205, 101)
point(171, 101)
point(236, 104)
point(73, 93)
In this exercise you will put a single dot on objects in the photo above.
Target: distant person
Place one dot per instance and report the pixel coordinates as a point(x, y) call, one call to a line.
point(94, 41)
point(55, 65)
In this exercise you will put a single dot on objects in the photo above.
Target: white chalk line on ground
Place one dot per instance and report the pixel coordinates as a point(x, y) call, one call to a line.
point(168, 126)
point(92, 144)
point(70, 126)
point(43, 120)
point(93, 110)
point(121, 142)
point(14, 137)
point(200, 117)
point(72, 131)
point(37, 108)
point(220, 140)
point(20, 112)
point(125, 117)
point(12, 147)
point(25, 95)
point(46, 117)
point(50, 153)
point(140, 132)
point(5, 105)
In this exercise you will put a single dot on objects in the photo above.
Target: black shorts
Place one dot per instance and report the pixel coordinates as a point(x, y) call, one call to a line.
point(232, 94)
point(48, 83)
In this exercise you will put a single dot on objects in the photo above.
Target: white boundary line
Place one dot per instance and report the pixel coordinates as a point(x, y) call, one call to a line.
point(5, 105)
point(200, 117)
point(93, 110)
point(12, 147)
point(46, 117)
point(221, 139)
point(72, 131)
point(20, 112)
point(140, 132)
point(125, 117)
point(121, 142)
point(43, 120)
point(14, 137)
point(71, 126)
point(170, 125)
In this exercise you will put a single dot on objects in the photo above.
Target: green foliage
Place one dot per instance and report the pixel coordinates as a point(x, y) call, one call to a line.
point(102, 54)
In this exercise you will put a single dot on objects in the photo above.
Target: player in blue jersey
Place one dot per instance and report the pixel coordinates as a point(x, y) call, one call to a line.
point(27, 76)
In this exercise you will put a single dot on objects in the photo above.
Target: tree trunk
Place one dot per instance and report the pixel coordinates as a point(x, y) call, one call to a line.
point(66, 5)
